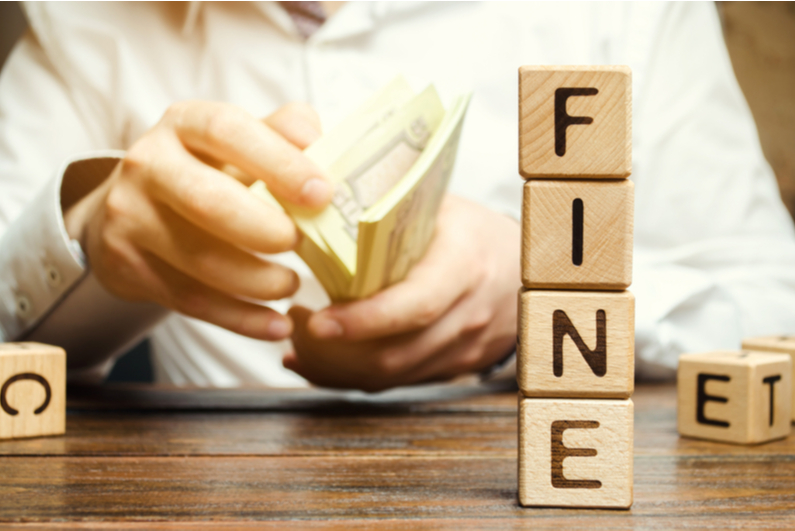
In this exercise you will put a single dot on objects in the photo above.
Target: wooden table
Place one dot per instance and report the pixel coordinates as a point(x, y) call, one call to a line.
point(441, 458)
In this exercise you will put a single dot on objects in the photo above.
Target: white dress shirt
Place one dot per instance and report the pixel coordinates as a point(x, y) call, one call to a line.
point(714, 246)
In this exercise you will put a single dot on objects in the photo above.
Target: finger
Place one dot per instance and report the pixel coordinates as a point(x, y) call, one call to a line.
point(322, 366)
point(217, 203)
point(457, 344)
point(194, 299)
point(367, 365)
point(291, 363)
point(229, 134)
point(214, 262)
point(429, 290)
point(297, 122)
point(460, 356)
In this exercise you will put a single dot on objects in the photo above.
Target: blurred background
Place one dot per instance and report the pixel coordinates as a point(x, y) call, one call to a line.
point(760, 37)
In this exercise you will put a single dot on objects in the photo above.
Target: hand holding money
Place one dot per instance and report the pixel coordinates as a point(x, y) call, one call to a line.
point(390, 162)
point(168, 226)
point(455, 312)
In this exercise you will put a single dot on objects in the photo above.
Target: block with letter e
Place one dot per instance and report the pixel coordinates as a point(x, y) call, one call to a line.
point(575, 453)
point(575, 122)
point(783, 343)
point(734, 396)
point(32, 390)
point(576, 344)
point(577, 235)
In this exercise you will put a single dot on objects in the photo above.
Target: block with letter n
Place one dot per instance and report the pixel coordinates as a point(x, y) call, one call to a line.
point(734, 396)
point(576, 344)
point(575, 453)
point(575, 122)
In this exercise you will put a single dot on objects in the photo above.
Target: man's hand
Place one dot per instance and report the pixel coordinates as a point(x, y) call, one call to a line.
point(455, 313)
point(175, 223)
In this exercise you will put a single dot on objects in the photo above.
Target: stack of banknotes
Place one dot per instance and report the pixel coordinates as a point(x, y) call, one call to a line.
point(390, 162)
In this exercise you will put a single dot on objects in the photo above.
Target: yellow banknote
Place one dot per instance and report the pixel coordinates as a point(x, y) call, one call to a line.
point(390, 162)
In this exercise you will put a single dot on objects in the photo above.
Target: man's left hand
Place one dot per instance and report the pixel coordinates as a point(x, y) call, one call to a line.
point(455, 313)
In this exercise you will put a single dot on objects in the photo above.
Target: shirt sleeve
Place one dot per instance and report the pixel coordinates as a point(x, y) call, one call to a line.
point(714, 244)
point(47, 293)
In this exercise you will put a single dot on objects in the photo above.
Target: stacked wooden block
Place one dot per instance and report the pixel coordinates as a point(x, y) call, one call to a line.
point(576, 321)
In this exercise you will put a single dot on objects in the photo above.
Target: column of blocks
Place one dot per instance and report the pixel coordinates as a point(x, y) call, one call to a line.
point(575, 343)
point(32, 390)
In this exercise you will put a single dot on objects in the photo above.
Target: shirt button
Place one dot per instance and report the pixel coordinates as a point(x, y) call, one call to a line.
point(24, 307)
point(53, 276)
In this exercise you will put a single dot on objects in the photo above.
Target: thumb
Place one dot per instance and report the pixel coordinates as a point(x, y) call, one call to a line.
point(297, 122)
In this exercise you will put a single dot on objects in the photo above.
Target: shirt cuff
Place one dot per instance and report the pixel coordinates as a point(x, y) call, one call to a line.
point(503, 371)
point(39, 263)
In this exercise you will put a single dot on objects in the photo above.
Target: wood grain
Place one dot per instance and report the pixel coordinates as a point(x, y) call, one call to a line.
point(32, 390)
point(547, 235)
point(184, 468)
point(727, 396)
point(575, 122)
point(575, 453)
point(783, 343)
point(605, 369)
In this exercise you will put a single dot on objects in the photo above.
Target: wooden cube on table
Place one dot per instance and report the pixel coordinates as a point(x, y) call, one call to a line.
point(575, 122)
point(734, 396)
point(576, 344)
point(32, 390)
point(784, 344)
point(575, 453)
point(577, 235)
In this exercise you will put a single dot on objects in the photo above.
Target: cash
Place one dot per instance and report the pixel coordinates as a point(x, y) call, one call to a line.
point(390, 162)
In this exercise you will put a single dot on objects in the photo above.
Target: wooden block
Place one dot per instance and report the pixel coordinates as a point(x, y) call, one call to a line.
point(577, 234)
point(32, 390)
point(576, 344)
point(783, 344)
point(575, 122)
point(734, 396)
point(575, 453)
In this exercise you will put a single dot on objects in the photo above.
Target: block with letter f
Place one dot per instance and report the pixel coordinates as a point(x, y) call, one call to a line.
point(575, 122)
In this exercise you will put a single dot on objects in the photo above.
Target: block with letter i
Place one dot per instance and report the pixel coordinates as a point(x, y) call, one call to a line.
point(734, 396)
point(576, 329)
point(32, 390)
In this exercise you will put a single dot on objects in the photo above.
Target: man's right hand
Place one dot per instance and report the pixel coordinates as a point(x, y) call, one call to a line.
point(175, 223)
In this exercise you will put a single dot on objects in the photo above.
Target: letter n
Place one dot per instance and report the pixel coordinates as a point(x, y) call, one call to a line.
point(596, 358)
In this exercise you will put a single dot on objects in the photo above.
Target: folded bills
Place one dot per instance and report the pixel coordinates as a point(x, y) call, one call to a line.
point(390, 162)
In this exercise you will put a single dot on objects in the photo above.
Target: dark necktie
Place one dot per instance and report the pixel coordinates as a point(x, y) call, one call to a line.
point(308, 16)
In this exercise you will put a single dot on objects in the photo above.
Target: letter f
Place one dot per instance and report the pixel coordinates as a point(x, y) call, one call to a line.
point(562, 118)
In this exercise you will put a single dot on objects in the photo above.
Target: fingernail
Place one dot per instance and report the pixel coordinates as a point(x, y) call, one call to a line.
point(279, 328)
point(325, 328)
point(316, 192)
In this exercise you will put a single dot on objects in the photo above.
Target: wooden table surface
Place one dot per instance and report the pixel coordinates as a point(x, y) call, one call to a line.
point(437, 458)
